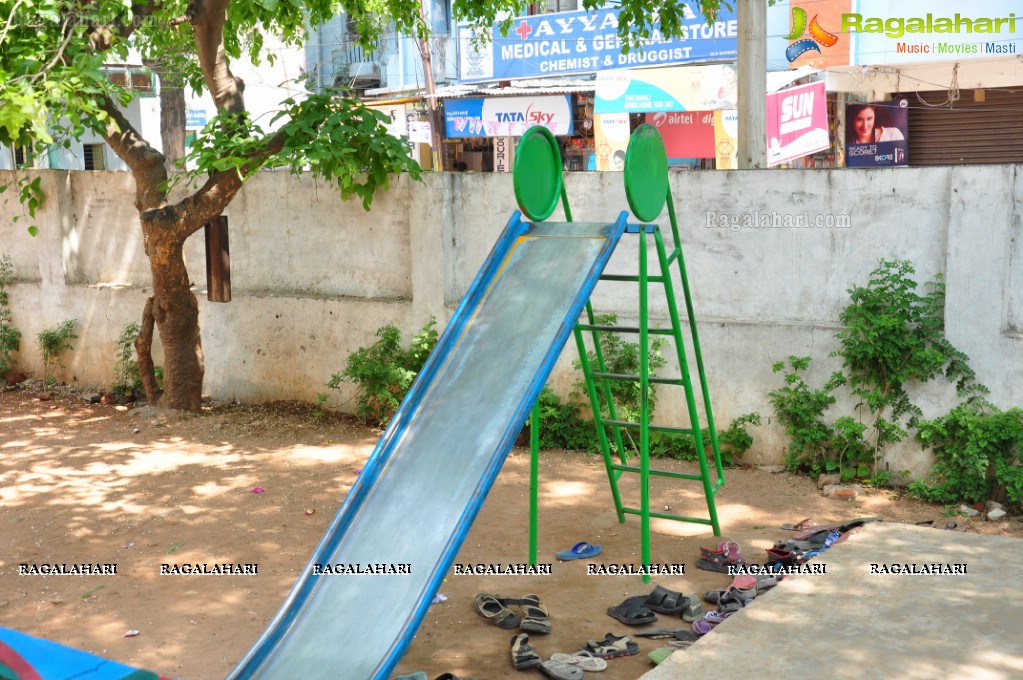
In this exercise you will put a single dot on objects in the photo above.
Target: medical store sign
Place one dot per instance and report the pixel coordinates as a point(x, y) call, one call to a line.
point(585, 42)
point(507, 116)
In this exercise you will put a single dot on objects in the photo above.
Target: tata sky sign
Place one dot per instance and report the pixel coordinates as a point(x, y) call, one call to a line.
point(507, 116)
point(584, 42)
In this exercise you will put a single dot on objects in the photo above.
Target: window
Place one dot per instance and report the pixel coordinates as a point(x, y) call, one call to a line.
point(23, 157)
point(95, 158)
point(562, 5)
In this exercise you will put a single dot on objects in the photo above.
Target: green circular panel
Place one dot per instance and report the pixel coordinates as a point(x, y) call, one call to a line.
point(537, 174)
point(646, 173)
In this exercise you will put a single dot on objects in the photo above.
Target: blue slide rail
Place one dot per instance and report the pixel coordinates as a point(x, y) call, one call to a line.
point(410, 509)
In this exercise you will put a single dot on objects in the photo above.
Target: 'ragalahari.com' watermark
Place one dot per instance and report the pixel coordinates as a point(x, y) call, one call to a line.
point(772, 219)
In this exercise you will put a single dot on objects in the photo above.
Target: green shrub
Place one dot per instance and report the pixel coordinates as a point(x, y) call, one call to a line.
point(893, 338)
point(978, 453)
point(561, 426)
point(732, 442)
point(384, 371)
point(623, 358)
point(10, 337)
point(53, 342)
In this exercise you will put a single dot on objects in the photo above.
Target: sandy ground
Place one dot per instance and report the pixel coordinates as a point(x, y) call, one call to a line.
point(83, 483)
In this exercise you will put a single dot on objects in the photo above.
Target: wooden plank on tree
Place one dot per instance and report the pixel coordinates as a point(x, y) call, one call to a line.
point(218, 261)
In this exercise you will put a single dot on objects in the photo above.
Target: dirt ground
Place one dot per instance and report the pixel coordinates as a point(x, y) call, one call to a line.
point(83, 483)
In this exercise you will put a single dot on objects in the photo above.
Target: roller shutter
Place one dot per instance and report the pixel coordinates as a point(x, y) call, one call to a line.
point(970, 132)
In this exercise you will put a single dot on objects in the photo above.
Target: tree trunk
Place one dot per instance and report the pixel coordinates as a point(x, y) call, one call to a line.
point(175, 311)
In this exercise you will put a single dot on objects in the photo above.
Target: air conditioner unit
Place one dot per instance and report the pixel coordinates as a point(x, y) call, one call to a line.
point(364, 73)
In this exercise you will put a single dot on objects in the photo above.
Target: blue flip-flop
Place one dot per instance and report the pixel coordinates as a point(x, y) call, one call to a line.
point(579, 551)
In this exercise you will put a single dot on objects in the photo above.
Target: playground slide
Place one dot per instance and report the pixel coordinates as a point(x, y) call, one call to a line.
point(416, 498)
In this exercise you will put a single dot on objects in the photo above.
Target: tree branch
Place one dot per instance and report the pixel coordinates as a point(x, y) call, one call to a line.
point(208, 25)
point(146, 163)
point(102, 37)
point(10, 22)
point(221, 187)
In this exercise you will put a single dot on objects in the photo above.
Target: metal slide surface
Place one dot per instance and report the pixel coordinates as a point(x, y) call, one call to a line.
point(421, 489)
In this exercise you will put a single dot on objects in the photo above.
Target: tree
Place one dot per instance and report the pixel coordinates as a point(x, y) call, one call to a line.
point(53, 88)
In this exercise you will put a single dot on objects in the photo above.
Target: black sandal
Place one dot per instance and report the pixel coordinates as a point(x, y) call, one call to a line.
point(632, 612)
point(664, 601)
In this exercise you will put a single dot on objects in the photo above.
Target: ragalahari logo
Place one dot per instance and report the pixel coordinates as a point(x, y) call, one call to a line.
point(803, 45)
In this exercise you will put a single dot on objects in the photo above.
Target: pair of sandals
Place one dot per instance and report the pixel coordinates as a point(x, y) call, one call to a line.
point(728, 554)
point(709, 621)
point(559, 666)
point(639, 610)
point(742, 591)
point(535, 619)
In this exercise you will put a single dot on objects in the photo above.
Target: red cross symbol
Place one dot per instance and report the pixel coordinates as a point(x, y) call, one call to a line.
point(524, 30)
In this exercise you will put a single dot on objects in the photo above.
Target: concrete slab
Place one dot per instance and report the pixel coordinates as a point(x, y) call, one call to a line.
point(852, 623)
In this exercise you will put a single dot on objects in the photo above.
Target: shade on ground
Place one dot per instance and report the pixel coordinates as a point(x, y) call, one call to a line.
point(850, 623)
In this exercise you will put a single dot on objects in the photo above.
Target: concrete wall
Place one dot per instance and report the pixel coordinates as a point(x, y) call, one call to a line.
point(314, 277)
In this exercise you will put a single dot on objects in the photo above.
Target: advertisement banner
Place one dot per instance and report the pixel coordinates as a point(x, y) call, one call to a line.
point(876, 135)
point(686, 134)
point(797, 123)
point(584, 42)
point(689, 88)
point(611, 139)
point(726, 139)
point(507, 116)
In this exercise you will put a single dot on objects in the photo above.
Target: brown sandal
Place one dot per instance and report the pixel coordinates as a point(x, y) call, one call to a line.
point(494, 609)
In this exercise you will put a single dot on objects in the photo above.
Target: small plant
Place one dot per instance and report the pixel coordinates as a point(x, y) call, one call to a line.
point(319, 412)
point(384, 371)
point(736, 440)
point(801, 409)
point(52, 343)
point(127, 381)
point(10, 337)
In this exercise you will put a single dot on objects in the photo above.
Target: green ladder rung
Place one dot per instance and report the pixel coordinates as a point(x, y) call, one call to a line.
point(659, 428)
point(636, 378)
point(659, 473)
point(664, 515)
point(629, 278)
point(624, 329)
point(618, 470)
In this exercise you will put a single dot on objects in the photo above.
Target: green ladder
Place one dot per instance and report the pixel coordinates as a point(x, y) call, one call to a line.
point(647, 190)
point(539, 189)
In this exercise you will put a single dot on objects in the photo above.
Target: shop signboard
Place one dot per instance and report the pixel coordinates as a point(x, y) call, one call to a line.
point(504, 154)
point(797, 123)
point(195, 119)
point(507, 116)
point(568, 43)
point(680, 88)
point(876, 134)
